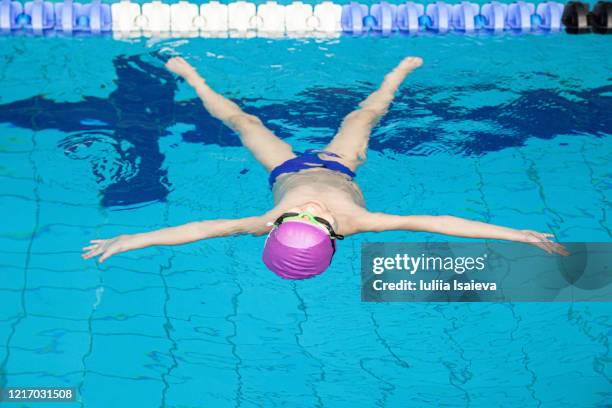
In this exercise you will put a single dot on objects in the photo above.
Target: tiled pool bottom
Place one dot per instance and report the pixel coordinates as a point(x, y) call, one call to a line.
point(207, 325)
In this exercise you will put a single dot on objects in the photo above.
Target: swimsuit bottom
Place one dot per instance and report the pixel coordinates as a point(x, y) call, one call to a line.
point(309, 160)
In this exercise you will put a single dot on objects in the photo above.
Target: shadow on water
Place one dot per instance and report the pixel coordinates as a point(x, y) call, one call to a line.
point(129, 123)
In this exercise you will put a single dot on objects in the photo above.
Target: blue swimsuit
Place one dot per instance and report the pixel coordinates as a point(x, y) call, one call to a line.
point(309, 160)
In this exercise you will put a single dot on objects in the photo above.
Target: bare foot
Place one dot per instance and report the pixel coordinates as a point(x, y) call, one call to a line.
point(394, 78)
point(410, 63)
point(181, 67)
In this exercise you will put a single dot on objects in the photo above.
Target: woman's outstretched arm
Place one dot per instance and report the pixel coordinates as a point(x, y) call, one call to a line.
point(182, 234)
point(460, 227)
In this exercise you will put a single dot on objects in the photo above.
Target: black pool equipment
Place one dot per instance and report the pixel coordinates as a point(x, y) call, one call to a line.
point(600, 19)
point(578, 20)
point(575, 17)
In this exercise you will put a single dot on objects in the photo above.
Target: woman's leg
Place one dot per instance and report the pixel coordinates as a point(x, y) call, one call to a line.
point(267, 148)
point(351, 141)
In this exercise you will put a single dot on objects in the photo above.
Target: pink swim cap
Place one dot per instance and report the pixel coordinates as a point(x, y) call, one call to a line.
point(297, 250)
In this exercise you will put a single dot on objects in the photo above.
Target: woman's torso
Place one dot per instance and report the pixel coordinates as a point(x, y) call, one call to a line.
point(337, 191)
point(317, 183)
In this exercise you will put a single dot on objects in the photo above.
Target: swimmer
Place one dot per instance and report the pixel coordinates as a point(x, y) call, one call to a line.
point(316, 199)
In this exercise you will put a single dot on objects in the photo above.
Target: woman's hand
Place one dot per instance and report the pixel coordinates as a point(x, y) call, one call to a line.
point(106, 247)
point(542, 241)
point(182, 68)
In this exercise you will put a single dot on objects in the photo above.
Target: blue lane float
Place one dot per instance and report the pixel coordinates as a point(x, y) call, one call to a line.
point(353, 17)
point(10, 11)
point(439, 14)
point(92, 18)
point(39, 15)
point(464, 16)
point(494, 16)
point(519, 14)
point(409, 17)
point(548, 15)
point(270, 19)
point(383, 17)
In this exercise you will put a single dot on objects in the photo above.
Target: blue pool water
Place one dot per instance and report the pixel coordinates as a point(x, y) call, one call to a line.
point(97, 139)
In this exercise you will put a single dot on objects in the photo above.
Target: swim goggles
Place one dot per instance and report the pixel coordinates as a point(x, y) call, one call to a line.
point(312, 218)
